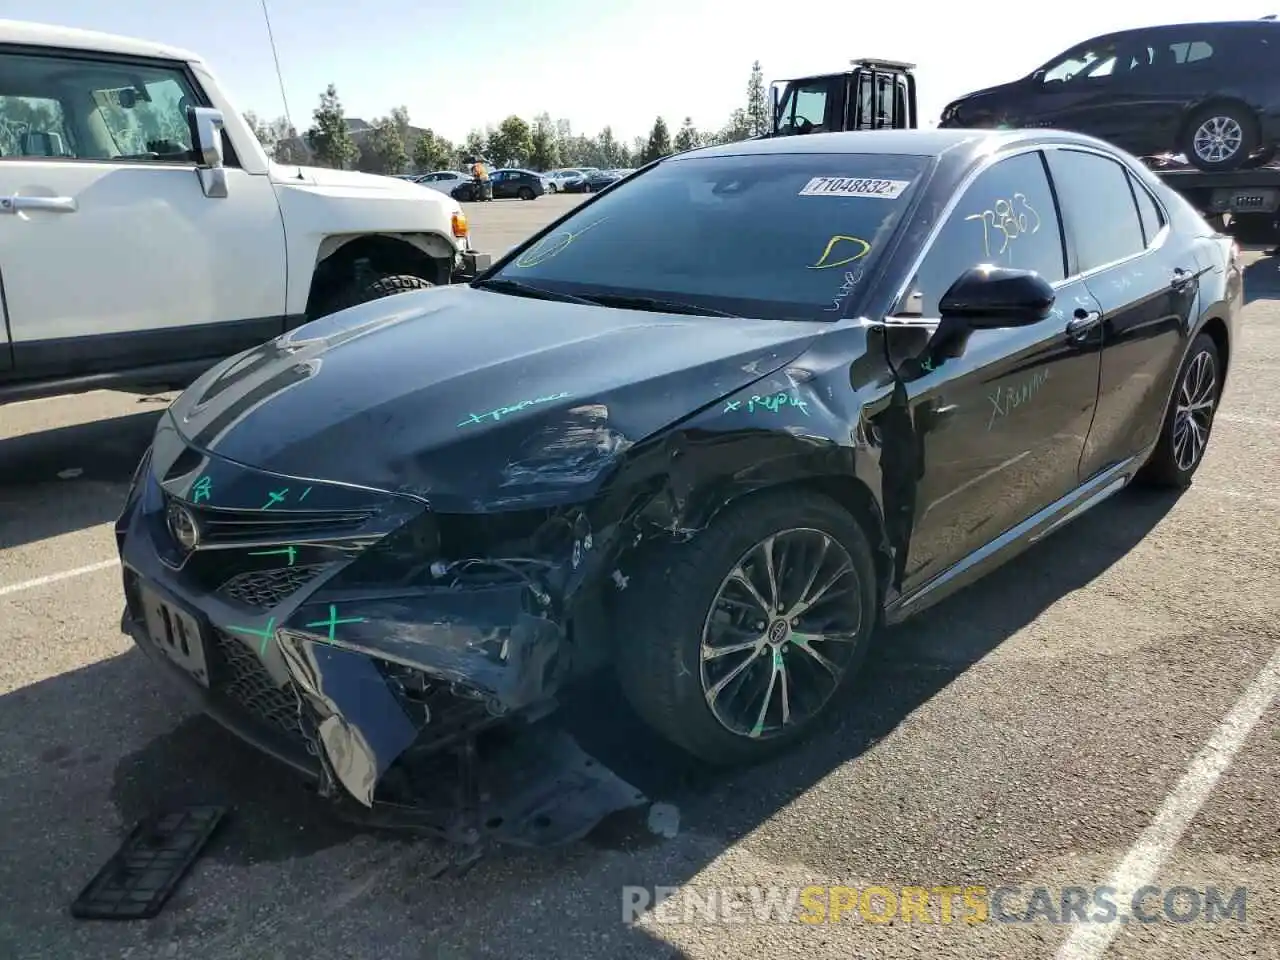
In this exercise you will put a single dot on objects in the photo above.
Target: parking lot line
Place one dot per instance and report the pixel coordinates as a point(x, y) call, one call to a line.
point(1144, 860)
point(55, 577)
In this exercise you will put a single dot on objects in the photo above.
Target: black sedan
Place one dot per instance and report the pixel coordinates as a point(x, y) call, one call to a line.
point(508, 184)
point(710, 430)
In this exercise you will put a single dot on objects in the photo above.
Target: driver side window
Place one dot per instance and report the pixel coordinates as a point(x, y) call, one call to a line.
point(1008, 218)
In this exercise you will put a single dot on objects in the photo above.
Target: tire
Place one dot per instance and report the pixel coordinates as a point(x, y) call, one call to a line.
point(525, 193)
point(466, 195)
point(671, 602)
point(387, 286)
point(1169, 465)
point(1232, 121)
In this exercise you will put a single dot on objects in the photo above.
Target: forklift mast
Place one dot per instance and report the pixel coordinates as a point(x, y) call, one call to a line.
point(875, 95)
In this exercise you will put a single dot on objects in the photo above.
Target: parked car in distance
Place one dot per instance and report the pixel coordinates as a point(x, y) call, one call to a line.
point(1206, 90)
point(443, 180)
point(570, 180)
point(709, 431)
point(599, 179)
point(508, 184)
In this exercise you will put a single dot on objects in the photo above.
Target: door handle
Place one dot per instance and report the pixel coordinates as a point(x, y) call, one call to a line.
point(1078, 326)
point(1181, 278)
point(41, 204)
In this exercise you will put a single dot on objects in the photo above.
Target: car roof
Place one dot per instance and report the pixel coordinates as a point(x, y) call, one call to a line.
point(29, 33)
point(919, 142)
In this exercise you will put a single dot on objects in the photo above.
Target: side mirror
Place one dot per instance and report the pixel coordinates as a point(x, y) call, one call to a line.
point(989, 298)
point(1037, 76)
point(207, 125)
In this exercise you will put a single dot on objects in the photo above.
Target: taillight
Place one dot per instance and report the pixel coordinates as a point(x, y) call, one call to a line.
point(460, 227)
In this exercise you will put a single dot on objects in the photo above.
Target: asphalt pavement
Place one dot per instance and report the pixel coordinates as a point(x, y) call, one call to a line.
point(1101, 712)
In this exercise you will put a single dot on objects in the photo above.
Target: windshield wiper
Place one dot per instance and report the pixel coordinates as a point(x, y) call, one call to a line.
point(658, 305)
point(522, 289)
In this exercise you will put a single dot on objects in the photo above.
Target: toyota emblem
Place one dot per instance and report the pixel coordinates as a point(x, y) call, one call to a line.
point(183, 526)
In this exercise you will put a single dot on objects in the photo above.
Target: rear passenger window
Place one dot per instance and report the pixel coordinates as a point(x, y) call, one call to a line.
point(1098, 207)
point(1006, 218)
point(1150, 215)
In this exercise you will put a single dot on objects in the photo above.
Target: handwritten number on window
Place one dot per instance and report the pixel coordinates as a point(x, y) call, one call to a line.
point(1005, 221)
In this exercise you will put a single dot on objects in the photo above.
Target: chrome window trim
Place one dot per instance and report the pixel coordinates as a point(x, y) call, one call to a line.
point(979, 170)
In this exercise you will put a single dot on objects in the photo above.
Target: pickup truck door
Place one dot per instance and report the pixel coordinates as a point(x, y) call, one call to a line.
point(112, 256)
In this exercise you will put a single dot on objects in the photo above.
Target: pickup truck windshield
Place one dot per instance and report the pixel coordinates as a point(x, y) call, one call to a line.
point(778, 237)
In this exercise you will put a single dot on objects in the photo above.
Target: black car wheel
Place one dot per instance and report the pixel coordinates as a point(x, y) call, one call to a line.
point(525, 193)
point(382, 287)
point(1184, 436)
point(1220, 136)
point(465, 194)
point(734, 644)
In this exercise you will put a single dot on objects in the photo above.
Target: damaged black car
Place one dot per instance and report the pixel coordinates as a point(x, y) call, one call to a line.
point(709, 430)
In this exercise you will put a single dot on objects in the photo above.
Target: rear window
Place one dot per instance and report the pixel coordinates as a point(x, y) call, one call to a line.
point(777, 237)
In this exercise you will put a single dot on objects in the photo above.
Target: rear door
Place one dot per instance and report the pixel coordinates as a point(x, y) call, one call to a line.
point(1000, 426)
point(1145, 279)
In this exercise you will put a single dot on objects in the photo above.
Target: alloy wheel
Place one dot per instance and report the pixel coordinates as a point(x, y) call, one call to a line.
point(1193, 415)
point(781, 633)
point(1217, 139)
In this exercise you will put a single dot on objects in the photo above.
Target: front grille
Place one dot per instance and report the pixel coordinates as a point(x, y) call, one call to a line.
point(246, 682)
point(219, 526)
point(264, 589)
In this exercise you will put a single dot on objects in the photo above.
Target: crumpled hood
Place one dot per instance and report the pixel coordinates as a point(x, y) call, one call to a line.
point(474, 399)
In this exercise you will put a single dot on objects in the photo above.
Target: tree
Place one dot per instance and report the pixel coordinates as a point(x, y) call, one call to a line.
point(687, 138)
point(260, 130)
point(739, 128)
point(544, 153)
point(404, 129)
point(511, 144)
point(758, 121)
point(384, 150)
point(475, 144)
point(329, 138)
point(432, 152)
point(659, 144)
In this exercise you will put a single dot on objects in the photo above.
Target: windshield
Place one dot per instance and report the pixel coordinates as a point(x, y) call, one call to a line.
point(776, 237)
point(1095, 60)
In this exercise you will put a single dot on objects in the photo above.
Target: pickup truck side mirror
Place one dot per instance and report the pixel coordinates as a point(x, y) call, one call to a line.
point(207, 125)
point(992, 298)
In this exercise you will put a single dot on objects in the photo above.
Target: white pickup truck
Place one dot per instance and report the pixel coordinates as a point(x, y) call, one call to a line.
point(145, 234)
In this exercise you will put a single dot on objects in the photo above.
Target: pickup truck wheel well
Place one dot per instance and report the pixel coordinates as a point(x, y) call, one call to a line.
point(344, 263)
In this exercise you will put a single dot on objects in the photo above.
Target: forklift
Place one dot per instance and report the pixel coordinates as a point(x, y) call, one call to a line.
point(875, 94)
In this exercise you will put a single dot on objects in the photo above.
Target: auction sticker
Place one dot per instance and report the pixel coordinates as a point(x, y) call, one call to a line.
point(854, 187)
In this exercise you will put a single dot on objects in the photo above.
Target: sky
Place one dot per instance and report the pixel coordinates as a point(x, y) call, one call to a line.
point(622, 63)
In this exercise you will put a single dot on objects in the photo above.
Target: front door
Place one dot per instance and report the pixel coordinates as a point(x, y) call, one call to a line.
point(112, 256)
point(1001, 425)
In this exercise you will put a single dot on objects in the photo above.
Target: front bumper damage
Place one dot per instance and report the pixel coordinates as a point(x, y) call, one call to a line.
point(421, 704)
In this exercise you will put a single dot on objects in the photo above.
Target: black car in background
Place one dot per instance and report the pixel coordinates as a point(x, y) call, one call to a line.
point(599, 179)
point(508, 184)
point(1210, 91)
point(708, 430)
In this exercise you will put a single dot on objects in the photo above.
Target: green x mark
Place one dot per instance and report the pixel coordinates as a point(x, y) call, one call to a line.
point(266, 633)
point(333, 621)
point(277, 496)
point(291, 552)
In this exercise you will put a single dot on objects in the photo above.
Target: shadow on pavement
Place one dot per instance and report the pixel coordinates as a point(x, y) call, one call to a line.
point(1262, 279)
point(69, 727)
point(97, 460)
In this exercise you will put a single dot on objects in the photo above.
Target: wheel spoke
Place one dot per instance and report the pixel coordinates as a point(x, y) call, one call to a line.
point(714, 693)
point(817, 569)
point(805, 642)
point(739, 576)
point(808, 603)
point(775, 599)
point(777, 668)
point(711, 653)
